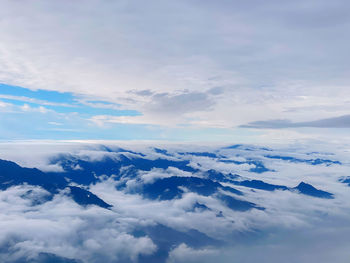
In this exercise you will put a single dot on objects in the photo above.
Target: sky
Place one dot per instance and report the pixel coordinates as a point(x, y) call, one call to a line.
point(174, 70)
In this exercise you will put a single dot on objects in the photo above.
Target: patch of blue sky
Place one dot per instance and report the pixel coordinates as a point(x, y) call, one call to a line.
point(20, 102)
point(29, 125)
point(59, 102)
point(83, 110)
point(97, 102)
point(51, 96)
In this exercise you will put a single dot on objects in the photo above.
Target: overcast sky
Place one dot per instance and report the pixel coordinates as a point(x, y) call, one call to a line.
point(173, 69)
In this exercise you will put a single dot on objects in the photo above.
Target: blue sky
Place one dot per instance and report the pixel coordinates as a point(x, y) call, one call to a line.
point(60, 102)
point(41, 114)
point(44, 114)
point(174, 70)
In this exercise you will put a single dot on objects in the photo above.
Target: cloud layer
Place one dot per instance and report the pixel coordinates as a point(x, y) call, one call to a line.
point(336, 122)
point(183, 64)
point(190, 227)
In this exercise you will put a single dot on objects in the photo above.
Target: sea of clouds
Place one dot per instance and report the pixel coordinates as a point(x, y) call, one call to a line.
point(292, 227)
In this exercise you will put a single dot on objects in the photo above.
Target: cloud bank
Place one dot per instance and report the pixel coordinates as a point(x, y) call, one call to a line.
point(336, 122)
point(202, 222)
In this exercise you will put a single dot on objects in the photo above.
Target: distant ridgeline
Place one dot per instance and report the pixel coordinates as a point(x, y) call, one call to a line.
point(79, 173)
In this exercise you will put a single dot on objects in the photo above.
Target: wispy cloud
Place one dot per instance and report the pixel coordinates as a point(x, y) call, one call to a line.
point(335, 122)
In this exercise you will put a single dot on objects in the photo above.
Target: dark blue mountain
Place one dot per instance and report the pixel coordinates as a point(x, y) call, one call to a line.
point(309, 161)
point(232, 178)
point(147, 165)
point(173, 187)
point(345, 180)
point(118, 150)
point(220, 177)
point(84, 173)
point(259, 167)
point(167, 238)
point(308, 189)
point(231, 190)
point(11, 174)
point(199, 207)
point(246, 147)
point(236, 204)
point(161, 151)
point(235, 146)
point(87, 172)
point(84, 197)
point(258, 184)
point(303, 188)
point(201, 154)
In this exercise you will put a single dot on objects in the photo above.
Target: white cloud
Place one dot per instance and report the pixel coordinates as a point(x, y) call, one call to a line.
point(183, 253)
point(206, 66)
point(87, 234)
point(40, 109)
point(154, 174)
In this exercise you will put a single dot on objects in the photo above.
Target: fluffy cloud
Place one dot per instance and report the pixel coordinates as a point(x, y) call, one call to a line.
point(87, 234)
point(183, 253)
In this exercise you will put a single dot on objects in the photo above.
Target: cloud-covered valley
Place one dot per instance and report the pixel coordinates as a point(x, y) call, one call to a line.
point(172, 203)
